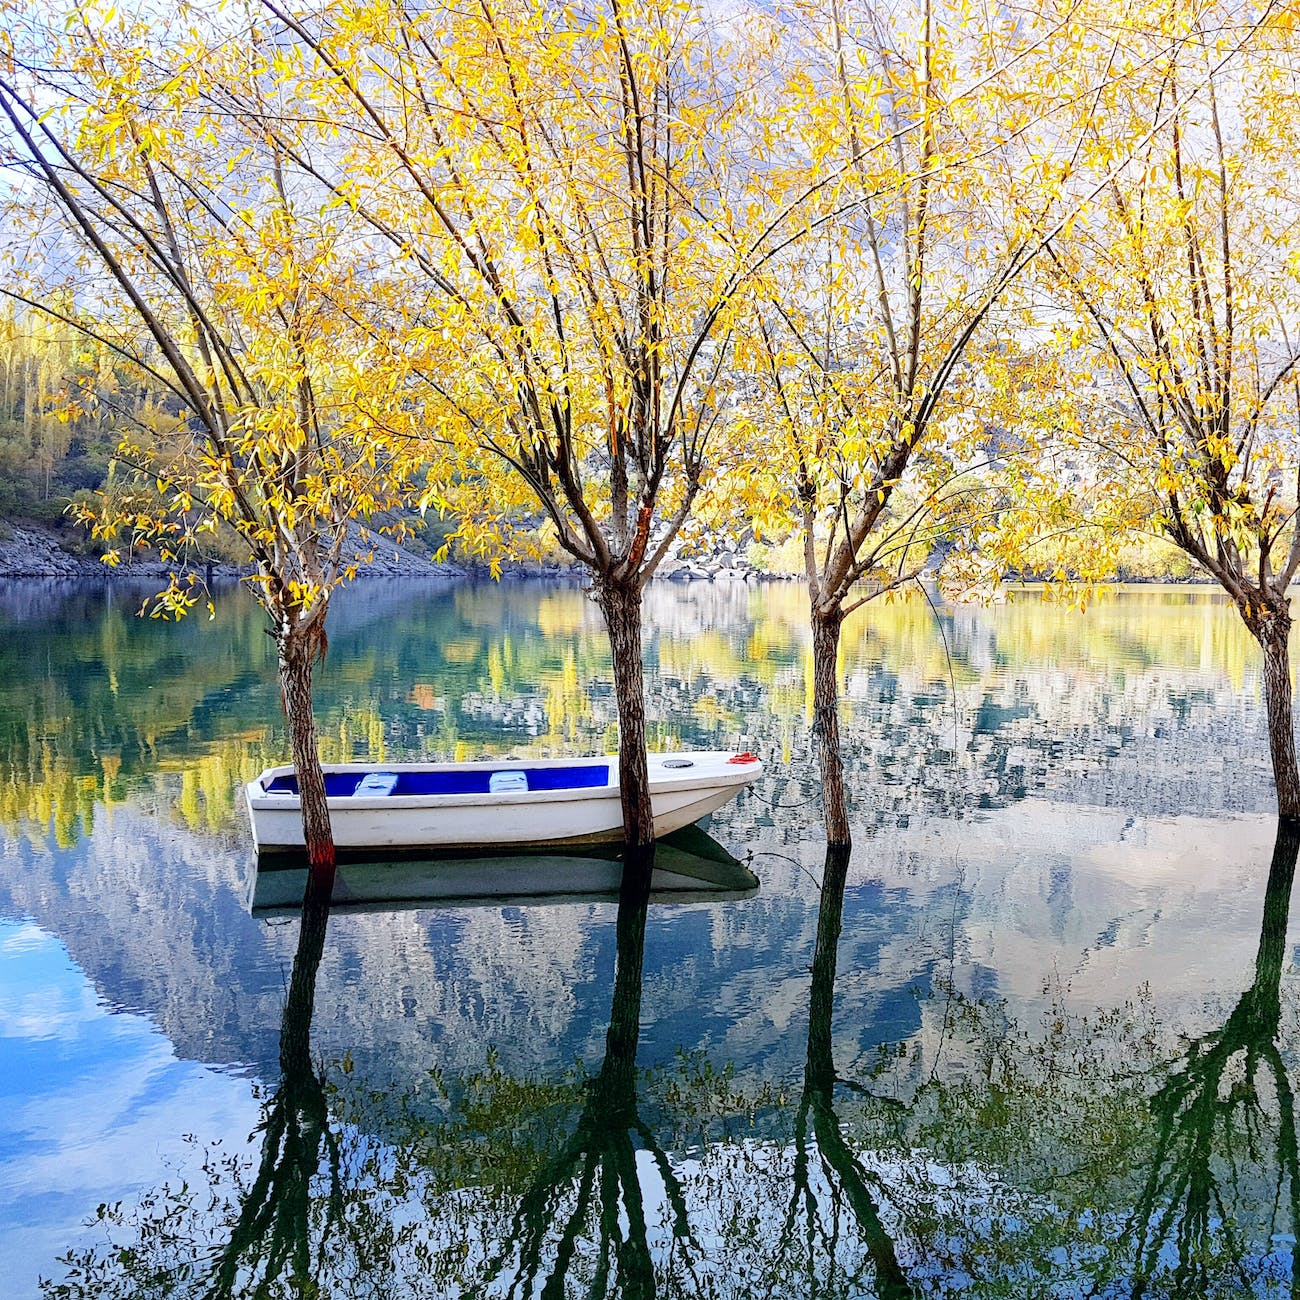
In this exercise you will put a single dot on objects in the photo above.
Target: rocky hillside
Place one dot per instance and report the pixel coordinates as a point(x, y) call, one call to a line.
point(34, 550)
point(30, 549)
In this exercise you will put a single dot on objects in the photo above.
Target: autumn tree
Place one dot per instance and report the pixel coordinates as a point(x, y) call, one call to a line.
point(35, 428)
point(1183, 282)
point(925, 129)
point(196, 260)
point(574, 200)
point(957, 153)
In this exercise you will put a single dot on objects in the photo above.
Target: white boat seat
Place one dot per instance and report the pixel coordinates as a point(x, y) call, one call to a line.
point(376, 783)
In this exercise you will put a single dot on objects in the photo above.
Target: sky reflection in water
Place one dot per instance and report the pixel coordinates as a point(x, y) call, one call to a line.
point(1047, 890)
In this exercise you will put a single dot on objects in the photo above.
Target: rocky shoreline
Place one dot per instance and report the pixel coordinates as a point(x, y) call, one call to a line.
point(35, 550)
point(30, 549)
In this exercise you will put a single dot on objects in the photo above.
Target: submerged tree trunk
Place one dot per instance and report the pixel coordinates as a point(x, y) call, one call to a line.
point(300, 648)
point(1272, 629)
point(620, 603)
point(826, 723)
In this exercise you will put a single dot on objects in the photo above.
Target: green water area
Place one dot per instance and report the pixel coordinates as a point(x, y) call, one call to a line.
point(1035, 1036)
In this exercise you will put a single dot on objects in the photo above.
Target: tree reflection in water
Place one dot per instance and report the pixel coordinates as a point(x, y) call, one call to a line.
point(1226, 1126)
point(848, 1180)
point(267, 1236)
point(277, 1221)
point(590, 1193)
point(1074, 1160)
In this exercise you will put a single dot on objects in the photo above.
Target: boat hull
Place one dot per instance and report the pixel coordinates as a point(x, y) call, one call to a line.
point(571, 817)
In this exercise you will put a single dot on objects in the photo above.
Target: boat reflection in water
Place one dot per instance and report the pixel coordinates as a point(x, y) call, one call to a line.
point(690, 866)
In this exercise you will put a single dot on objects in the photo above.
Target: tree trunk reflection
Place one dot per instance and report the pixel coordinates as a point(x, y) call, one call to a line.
point(591, 1190)
point(274, 1229)
point(1226, 1103)
point(819, 1134)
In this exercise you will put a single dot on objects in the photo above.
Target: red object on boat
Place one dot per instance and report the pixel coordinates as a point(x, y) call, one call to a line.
point(746, 757)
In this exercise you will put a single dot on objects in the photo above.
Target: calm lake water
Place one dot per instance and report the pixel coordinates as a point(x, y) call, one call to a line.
point(1053, 1052)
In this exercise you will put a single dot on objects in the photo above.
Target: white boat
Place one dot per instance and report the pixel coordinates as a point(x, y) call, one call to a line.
point(542, 801)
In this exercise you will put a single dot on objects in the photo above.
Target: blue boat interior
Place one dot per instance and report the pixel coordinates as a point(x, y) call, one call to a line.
point(342, 785)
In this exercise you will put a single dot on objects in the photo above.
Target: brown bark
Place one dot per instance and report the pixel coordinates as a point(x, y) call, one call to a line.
point(299, 648)
point(620, 603)
point(1278, 706)
point(1272, 630)
point(826, 723)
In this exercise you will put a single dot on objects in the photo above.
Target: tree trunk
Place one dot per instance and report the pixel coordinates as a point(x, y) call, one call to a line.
point(299, 650)
point(1273, 633)
point(826, 723)
point(621, 606)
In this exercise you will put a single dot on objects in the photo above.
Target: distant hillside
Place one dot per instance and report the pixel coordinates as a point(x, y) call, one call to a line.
point(35, 548)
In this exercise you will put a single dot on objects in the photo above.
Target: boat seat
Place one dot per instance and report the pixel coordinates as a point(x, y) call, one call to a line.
point(342, 785)
point(376, 783)
point(535, 778)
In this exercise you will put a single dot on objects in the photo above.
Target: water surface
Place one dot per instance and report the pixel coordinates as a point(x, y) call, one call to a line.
point(1053, 917)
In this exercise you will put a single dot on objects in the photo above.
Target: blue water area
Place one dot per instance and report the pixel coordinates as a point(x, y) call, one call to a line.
point(94, 1105)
